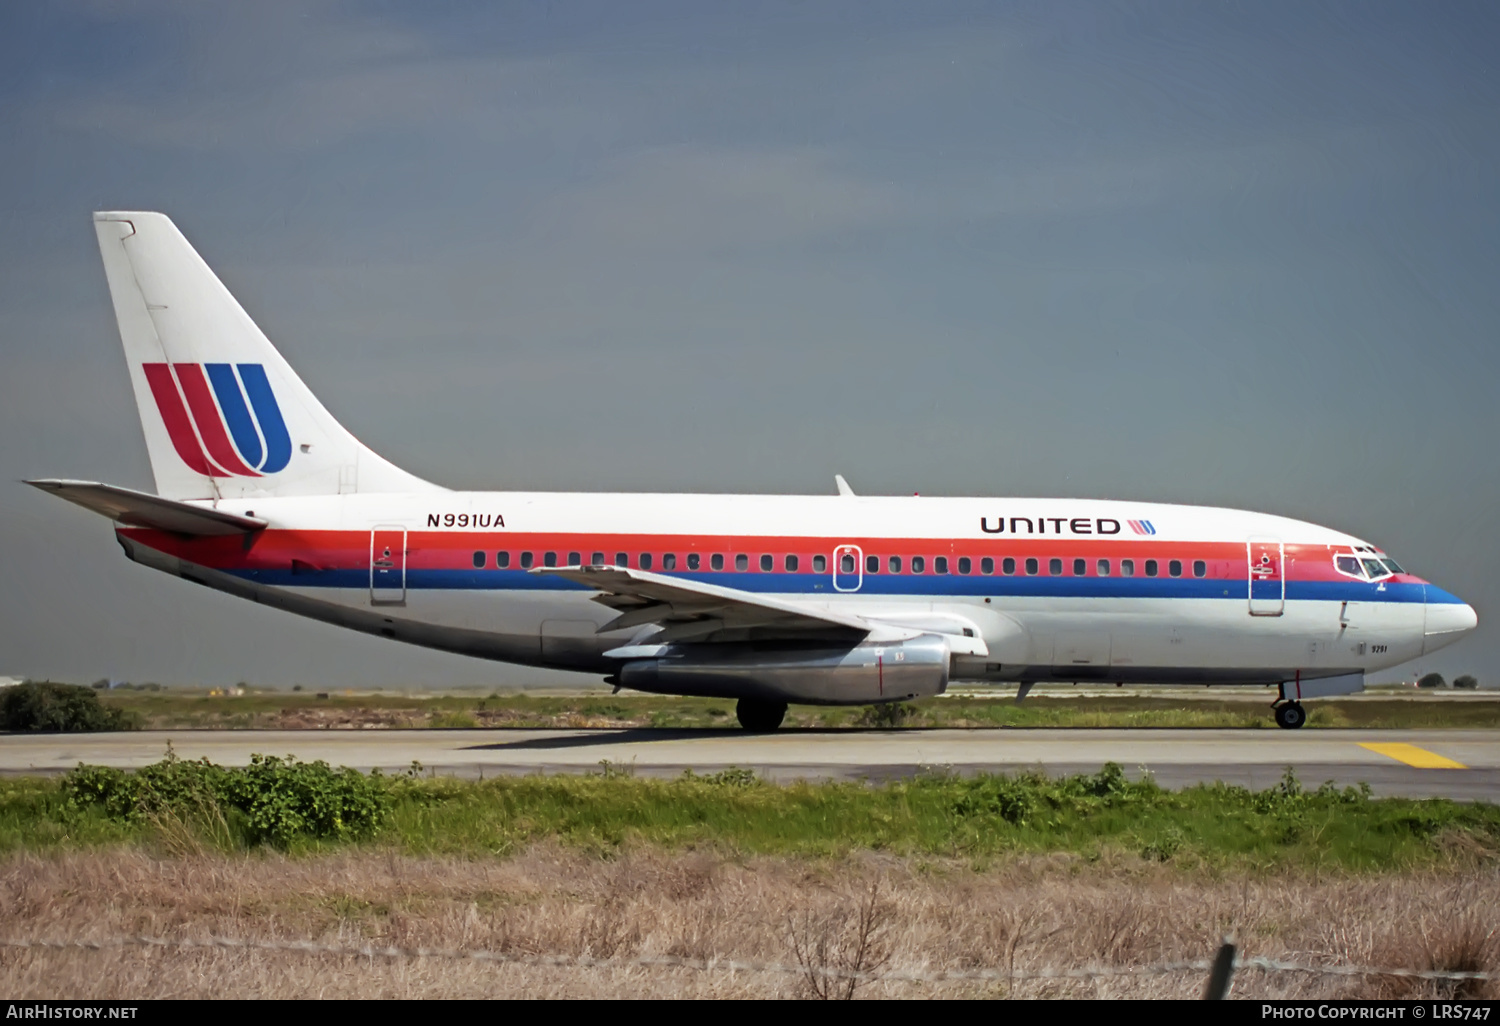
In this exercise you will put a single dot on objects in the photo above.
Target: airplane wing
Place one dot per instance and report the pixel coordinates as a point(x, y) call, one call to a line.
point(141, 509)
point(694, 610)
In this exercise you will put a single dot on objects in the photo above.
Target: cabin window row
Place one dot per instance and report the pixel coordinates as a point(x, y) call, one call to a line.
point(647, 561)
point(1030, 567)
point(766, 563)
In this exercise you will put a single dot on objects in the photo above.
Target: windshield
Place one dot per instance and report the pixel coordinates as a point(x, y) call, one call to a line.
point(1348, 565)
point(1390, 564)
point(1375, 568)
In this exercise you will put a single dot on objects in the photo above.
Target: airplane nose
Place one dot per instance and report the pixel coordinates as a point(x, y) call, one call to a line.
point(1447, 618)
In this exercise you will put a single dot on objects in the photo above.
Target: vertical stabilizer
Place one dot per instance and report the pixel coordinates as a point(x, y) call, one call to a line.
point(224, 415)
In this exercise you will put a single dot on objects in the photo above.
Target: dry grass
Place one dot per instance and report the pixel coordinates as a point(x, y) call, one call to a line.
point(867, 911)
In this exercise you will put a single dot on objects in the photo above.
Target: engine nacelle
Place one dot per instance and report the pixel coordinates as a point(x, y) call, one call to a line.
point(817, 674)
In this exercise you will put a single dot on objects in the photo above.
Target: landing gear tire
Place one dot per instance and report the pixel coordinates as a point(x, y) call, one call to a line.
point(1290, 715)
point(760, 717)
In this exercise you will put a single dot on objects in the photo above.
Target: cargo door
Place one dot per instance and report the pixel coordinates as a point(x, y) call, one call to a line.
point(848, 568)
point(388, 566)
point(1267, 576)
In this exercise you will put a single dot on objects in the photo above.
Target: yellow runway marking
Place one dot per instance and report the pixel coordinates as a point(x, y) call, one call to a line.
point(1412, 755)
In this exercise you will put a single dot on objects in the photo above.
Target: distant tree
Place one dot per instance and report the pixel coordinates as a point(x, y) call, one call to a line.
point(1431, 680)
point(57, 708)
point(296, 687)
point(1466, 682)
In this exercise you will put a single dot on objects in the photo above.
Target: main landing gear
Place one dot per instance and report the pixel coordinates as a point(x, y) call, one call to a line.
point(760, 717)
point(1290, 715)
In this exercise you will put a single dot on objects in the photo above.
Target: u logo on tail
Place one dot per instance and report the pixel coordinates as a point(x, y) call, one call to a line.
point(222, 418)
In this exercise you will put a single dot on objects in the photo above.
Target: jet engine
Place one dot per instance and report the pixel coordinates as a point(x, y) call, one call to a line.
point(818, 674)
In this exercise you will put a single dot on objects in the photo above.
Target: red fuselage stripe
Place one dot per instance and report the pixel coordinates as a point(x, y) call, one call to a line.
point(330, 550)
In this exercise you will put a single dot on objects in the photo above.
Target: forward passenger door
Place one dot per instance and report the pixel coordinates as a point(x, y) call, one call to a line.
point(1267, 576)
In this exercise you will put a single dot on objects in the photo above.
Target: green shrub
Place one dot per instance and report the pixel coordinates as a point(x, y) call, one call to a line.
point(57, 708)
point(1467, 682)
point(279, 800)
point(1431, 680)
point(887, 715)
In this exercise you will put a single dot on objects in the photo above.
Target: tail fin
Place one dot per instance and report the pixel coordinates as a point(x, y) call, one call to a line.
point(224, 415)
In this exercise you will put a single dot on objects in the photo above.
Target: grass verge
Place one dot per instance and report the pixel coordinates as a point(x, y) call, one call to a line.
point(309, 808)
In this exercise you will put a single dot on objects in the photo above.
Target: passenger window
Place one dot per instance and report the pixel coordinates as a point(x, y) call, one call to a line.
point(479, 561)
point(742, 562)
point(940, 565)
point(1102, 568)
point(1174, 568)
point(894, 564)
point(622, 559)
point(694, 561)
point(502, 559)
point(1127, 568)
point(1080, 568)
point(549, 559)
point(919, 564)
point(767, 564)
point(669, 561)
point(791, 564)
point(1150, 568)
point(574, 559)
point(1008, 565)
point(987, 565)
point(820, 564)
point(1031, 566)
point(1374, 567)
point(872, 564)
point(525, 561)
point(964, 566)
point(716, 561)
point(1200, 568)
point(597, 559)
point(1054, 567)
point(846, 563)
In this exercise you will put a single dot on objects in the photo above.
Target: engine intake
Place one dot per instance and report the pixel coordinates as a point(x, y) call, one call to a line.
point(821, 674)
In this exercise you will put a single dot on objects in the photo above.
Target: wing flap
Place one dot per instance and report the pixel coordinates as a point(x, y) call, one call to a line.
point(141, 509)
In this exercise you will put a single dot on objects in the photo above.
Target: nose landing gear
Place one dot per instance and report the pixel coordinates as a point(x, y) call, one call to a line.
point(1290, 715)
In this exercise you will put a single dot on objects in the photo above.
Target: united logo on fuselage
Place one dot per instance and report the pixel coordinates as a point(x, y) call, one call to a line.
point(222, 418)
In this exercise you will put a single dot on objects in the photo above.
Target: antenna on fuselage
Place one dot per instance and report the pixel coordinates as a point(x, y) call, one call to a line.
point(844, 488)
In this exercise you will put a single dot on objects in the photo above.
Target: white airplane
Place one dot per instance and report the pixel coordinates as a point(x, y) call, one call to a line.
point(839, 599)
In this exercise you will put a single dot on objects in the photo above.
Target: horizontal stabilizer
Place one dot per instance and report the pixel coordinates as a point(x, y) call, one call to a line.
point(140, 509)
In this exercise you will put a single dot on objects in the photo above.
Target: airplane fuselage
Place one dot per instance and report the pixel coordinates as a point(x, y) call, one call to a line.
point(1023, 589)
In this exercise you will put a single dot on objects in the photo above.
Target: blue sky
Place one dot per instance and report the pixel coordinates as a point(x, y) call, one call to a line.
point(1225, 254)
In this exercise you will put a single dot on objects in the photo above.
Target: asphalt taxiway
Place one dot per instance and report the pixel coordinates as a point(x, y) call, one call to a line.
point(1462, 764)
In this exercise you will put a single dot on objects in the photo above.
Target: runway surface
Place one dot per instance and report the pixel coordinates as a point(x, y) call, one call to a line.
point(1461, 764)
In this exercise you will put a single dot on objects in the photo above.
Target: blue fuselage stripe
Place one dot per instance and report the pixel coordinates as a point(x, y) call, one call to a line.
point(929, 586)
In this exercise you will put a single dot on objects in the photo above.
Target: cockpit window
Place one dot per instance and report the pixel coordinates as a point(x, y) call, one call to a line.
point(1392, 566)
point(1348, 565)
point(1375, 568)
